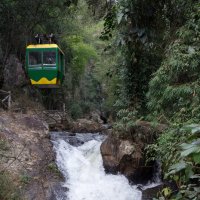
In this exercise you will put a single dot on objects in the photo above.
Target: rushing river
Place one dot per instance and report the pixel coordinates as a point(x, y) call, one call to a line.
point(79, 159)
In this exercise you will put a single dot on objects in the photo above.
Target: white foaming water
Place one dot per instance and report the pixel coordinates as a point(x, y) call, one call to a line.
point(84, 174)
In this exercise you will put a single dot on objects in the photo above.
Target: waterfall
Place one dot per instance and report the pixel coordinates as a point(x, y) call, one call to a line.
point(82, 167)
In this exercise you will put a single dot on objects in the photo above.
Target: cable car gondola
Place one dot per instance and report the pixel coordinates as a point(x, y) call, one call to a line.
point(45, 64)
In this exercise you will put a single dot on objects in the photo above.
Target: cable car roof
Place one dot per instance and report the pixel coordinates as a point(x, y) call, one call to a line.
point(43, 46)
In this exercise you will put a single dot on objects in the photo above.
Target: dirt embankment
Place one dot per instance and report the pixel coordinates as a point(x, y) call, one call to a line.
point(29, 156)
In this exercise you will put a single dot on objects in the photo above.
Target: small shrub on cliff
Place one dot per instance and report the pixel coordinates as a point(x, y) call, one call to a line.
point(25, 179)
point(52, 167)
point(76, 110)
point(126, 120)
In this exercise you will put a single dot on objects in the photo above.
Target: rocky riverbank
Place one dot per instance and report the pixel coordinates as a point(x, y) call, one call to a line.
point(29, 156)
point(30, 159)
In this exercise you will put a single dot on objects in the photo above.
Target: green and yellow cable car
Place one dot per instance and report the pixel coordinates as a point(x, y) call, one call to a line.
point(45, 65)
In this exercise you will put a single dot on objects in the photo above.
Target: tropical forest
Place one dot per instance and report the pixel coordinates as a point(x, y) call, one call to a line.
point(99, 100)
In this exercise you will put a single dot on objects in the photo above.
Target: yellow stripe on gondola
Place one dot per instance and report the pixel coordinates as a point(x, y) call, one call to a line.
point(44, 81)
point(42, 46)
point(45, 46)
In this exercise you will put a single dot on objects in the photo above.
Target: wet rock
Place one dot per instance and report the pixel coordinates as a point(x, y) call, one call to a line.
point(109, 152)
point(75, 141)
point(126, 157)
point(72, 134)
point(126, 154)
point(152, 192)
point(59, 192)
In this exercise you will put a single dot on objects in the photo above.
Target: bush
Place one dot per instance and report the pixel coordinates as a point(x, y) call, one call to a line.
point(179, 151)
point(75, 110)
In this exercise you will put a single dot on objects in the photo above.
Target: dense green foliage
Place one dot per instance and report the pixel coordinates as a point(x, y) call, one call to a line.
point(174, 89)
point(20, 20)
point(158, 80)
point(77, 30)
point(83, 85)
point(144, 29)
point(179, 151)
point(146, 66)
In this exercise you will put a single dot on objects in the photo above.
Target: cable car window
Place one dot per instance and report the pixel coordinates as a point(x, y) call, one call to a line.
point(49, 58)
point(35, 58)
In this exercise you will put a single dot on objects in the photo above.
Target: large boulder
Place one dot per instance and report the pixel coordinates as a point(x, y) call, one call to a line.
point(126, 154)
point(126, 157)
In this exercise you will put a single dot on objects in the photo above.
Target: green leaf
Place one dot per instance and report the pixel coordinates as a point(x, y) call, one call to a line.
point(196, 130)
point(191, 194)
point(197, 189)
point(119, 17)
point(196, 158)
point(188, 149)
point(191, 50)
point(195, 176)
point(186, 146)
point(188, 172)
point(166, 191)
point(177, 167)
point(176, 178)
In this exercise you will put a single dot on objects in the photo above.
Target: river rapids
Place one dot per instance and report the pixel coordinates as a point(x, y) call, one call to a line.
point(79, 159)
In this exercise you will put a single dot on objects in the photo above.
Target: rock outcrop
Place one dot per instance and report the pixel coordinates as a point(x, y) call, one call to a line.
point(86, 126)
point(58, 123)
point(14, 75)
point(30, 157)
point(127, 156)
